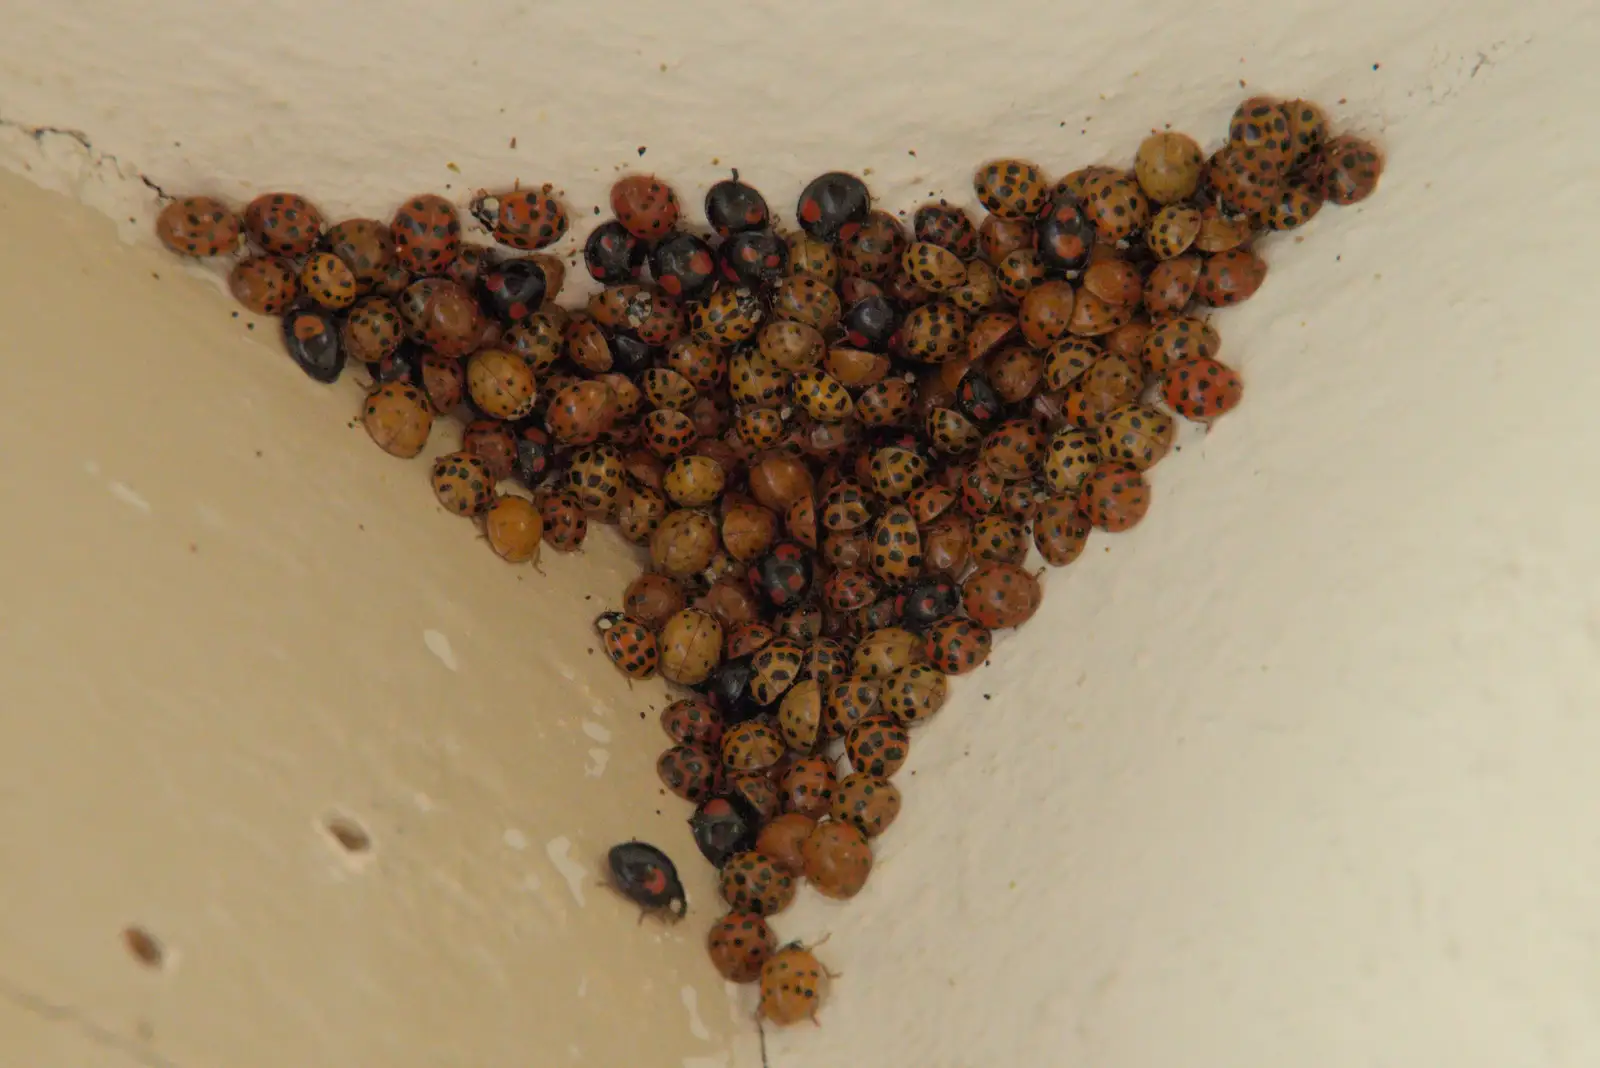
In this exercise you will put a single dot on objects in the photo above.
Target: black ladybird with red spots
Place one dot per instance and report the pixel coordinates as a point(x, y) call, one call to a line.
point(724, 825)
point(1064, 234)
point(926, 601)
point(732, 207)
point(533, 452)
point(612, 255)
point(833, 206)
point(870, 323)
point(683, 266)
point(404, 364)
point(311, 334)
point(977, 399)
point(646, 876)
point(514, 289)
point(782, 578)
point(755, 258)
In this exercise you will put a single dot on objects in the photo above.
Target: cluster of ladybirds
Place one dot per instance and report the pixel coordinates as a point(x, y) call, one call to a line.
point(839, 444)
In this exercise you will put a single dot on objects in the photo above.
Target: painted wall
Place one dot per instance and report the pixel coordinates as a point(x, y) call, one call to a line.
point(1298, 771)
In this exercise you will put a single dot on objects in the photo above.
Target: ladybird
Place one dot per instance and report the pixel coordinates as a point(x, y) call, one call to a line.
point(821, 397)
point(912, 693)
point(365, 246)
point(646, 876)
point(667, 433)
point(896, 471)
point(755, 258)
point(999, 595)
point(639, 512)
point(723, 826)
point(995, 538)
point(311, 335)
point(1014, 449)
point(866, 802)
point(793, 986)
point(264, 284)
point(733, 207)
point(533, 453)
point(580, 412)
point(845, 506)
point(778, 481)
point(833, 206)
point(1229, 278)
point(1136, 434)
point(595, 476)
point(689, 771)
point(526, 219)
point(1060, 532)
point(427, 234)
point(501, 384)
point(800, 715)
point(513, 290)
point(753, 882)
point(372, 332)
point(692, 721)
point(739, 944)
point(885, 403)
point(726, 317)
point(646, 206)
point(1000, 237)
point(873, 251)
point(691, 646)
point(748, 530)
point(565, 525)
point(462, 483)
point(327, 280)
point(198, 226)
point(981, 490)
point(1069, 458)
point(444, 314)
point(1114, 498)
point(933, 268)
point(1168, 166)
point(781, 839)
point(652, 598)
point(1171, 286)
point(812, 256)
point(1116, 206)
point(774, 669)
point(885, 649)
point(836, 859)
point(1346, 169)
point(684, 543)
point(782, 577)
point(1172, 231)
point(283, 224)
point(444, 381)
point(848, 589)
point(870, 323)
point(803, 299)
point(1259, 130)
point(933, 333)
point(946, 226)
point(946, 545)
point(398, 418)
point(683, 266)
point(926, 601)
point(846, 702)
point(1178, 338)
point(1201, 389)
point(956, 646)
point(1242, 181)
point(1064, 235)
point(1112, 381)
point(513, 529)
point(1011, 188)
point(877, 745)
point(612, 255)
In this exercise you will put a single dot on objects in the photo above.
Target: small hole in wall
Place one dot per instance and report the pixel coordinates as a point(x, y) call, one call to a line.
point(350, 835)
point(145, 947)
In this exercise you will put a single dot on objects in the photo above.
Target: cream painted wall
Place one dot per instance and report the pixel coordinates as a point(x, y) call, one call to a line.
point(1299, 771)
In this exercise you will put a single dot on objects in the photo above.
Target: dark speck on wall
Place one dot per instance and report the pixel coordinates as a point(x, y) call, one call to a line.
point(641, 150)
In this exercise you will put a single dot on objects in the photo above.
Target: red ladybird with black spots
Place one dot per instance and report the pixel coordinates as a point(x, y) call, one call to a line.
point(526, 219)
point(1201, 388)
point(683, 266)
point(833, 206)
point(612, 255)
point(782, 578)
point(630, 645)
point(645, 205)
point(427, 234)
point(283, 224)
point(947, 226)
point(646, 876)
point(732, 207)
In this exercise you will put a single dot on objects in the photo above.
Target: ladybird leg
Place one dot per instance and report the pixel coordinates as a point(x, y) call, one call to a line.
point(541, 570)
